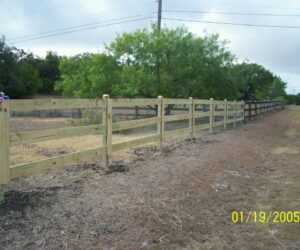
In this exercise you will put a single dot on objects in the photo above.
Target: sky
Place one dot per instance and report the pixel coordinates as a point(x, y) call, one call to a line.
point(277, 49)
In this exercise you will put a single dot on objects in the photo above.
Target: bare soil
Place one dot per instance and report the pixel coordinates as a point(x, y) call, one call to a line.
point(180, 199)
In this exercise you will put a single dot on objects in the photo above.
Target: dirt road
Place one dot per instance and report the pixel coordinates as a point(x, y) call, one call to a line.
point(180, 199)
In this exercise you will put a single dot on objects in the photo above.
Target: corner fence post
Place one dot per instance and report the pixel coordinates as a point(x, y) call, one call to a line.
point(107, 135)
point(4, 143)
point(161, 122)
point(212, 115)
point(191, 117)
point(225, 113)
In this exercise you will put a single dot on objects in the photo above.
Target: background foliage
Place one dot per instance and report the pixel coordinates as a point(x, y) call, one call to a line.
point(188, 65)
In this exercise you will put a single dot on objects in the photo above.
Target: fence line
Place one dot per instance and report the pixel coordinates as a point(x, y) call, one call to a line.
point(255, 108)
point(220, 114)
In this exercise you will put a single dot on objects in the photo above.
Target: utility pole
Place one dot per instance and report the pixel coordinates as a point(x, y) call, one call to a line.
point(157, 59)
point(159, 15)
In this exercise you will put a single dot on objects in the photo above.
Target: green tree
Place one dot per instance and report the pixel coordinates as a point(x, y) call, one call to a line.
point(189, 65)
point(88, 75)
point(18, 76)
point(49, 71)
point(254, 80)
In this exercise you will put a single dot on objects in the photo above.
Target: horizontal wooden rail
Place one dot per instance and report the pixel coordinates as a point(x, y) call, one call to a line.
point(170, 118)
point(52, 104)
point(134, 143)
point(202, 114)
point(52, 134)
point(177, 101)
point(201, 102)
point(133, 102)
point(202, 127)
point(117, 126)
point(219, 123)
point(219, 102)
point(219, 113)
point(55, 162)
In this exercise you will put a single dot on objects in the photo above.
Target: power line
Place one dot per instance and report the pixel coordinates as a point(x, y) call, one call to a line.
point(89, 28)
point(235, 24)
point(246, 5)
point(232, 13)
point(30, 13)
point(69, 28)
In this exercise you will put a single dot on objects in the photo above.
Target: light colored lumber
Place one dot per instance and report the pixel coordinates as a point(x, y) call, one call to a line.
point(4, 143)
point(219, 123)
point(133, 102)
point(240, 119)
point(161, 124)
point(219, 113)
point(107, 135)
point(177, 101)
point(117, 126)
point(202, 126)
point(192, 117)
point(212, 111)
point(235, 109)
point(52, 134)
point(51, 104)
point(134, 143)
point(219, 102)
point(169, 118)
point(225, 113)
point(201, 114)
point(202, 101)
point(55, 162)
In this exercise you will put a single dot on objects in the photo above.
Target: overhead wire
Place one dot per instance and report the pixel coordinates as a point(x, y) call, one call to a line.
point(232, 13)
point(70, 28)
point(232, 23)
point(83, 29)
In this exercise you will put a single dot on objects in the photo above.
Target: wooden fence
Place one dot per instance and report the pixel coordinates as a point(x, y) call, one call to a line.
point(255, 108)
point(217, 114)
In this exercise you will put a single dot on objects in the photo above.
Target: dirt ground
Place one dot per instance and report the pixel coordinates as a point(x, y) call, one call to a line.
point(180, 199)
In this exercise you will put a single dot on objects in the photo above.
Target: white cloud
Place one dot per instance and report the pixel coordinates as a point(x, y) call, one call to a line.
point(277, 49)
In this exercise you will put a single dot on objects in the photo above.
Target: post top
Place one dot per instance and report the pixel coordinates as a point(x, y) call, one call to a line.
point(105, 96)
point(211, 99)
point(160, 96)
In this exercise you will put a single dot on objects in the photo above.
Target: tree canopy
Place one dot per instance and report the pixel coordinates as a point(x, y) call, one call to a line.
point(189, 65)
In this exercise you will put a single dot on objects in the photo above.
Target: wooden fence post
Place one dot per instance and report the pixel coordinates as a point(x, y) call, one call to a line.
point(212, 115)
point(225, 113)
point(243, 113)
point(161, 122)
point(249, 110)
point(191, 117)
point(4, 143)
point(234, 117)
point(107, 135)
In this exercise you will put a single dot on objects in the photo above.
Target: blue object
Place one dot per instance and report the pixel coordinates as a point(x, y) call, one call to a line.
point(6, 97)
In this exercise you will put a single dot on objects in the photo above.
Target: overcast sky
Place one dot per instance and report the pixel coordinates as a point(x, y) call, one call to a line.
point(278, 49)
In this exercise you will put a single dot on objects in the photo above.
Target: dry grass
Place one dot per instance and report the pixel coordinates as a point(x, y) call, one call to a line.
point(179, 199)
point(285, 150)
point(30, 152)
